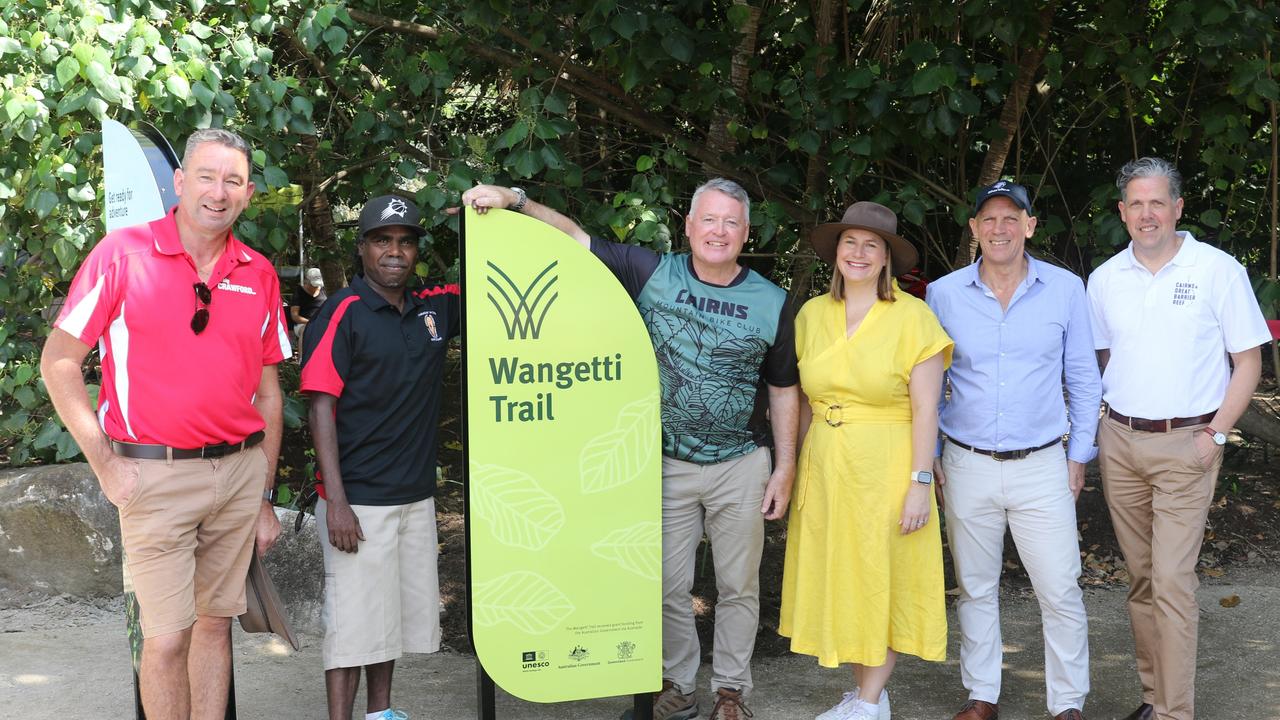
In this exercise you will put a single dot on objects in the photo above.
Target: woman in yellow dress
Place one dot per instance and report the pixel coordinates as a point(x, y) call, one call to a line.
point(862, 580)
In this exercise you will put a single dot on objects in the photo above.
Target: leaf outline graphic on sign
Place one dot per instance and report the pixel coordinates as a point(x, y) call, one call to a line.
point(634, 548)
point(620, 455)
point(515, 508)
point(525, 599)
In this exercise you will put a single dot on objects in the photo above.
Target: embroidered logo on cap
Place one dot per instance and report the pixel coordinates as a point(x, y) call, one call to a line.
point(396, 207)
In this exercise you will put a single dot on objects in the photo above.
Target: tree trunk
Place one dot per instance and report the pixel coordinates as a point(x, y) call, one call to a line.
point(719, 140)
point(824, 32)
point(1261, 421)
point(1010, 114)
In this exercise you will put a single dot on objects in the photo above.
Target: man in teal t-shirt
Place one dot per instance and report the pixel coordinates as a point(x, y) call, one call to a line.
point(725, 341)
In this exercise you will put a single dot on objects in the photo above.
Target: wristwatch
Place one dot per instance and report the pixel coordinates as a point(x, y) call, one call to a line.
point(924, 477)
point(1218, 438)
point(269, 495)
point(521, 198)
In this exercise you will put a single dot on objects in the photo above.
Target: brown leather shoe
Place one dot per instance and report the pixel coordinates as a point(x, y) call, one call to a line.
point(729, 705)
point(978, 710)
point(1072, 714)
point(1144, 712)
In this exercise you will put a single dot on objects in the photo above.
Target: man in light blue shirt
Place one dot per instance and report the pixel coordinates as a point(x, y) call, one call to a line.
point(1021, 328)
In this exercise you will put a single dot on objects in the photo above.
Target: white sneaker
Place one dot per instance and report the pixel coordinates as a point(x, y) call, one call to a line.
point(844, 709)
point(840, 710)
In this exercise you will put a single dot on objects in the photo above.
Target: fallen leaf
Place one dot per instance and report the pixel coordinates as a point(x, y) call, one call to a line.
point(1246, 510)
point(1213, 572)
point(1229, 601)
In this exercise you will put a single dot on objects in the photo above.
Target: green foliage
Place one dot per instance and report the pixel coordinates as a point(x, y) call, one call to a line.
point(615, 112)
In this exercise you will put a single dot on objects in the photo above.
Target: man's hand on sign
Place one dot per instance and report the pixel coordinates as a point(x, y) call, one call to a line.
point(344, 527)
point(482, 197)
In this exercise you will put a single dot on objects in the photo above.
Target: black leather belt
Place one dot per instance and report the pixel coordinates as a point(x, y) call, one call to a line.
point(1003, 455)
point(138, 451)
point(1160, 425)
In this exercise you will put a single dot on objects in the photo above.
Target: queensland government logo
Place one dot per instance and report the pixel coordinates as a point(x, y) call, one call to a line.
point(522, 311)
point(626, 649)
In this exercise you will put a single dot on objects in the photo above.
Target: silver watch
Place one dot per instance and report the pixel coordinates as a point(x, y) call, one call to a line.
point(1218, 438)
point(924, 477)
point(521, 198)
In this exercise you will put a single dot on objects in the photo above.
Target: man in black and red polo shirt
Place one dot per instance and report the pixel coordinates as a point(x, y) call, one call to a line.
point(187, 430)
point(373, 363)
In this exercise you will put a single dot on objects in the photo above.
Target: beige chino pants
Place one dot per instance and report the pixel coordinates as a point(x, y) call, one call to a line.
point(724, 501)
point(1159, 494)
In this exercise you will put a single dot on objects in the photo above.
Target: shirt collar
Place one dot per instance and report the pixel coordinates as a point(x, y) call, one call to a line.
point(375, 301)
point(975, 278)
point(1186, 255)
point(165, 239)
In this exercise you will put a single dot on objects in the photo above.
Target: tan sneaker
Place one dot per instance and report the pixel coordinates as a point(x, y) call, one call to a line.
point(729, 705)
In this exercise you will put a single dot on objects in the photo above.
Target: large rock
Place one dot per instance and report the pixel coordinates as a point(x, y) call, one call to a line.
point(60, 536)
point(58, 533)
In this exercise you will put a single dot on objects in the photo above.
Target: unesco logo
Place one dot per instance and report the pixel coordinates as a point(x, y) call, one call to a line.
point(522, 311)
point(533, 660)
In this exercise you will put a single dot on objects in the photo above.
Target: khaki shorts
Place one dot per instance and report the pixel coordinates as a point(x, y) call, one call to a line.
point(188, 532)
point(384, 600)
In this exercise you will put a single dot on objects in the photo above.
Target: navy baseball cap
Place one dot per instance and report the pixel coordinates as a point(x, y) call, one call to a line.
point(390, 210)
point(1011, 190)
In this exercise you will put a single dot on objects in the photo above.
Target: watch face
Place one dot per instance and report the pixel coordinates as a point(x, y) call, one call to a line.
point(1220, 438)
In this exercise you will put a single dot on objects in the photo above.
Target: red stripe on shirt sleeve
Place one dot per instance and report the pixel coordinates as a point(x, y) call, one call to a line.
point(319, 371)
point(450, 289)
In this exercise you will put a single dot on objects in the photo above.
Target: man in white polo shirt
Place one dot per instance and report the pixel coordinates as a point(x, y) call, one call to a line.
point(1167, 312)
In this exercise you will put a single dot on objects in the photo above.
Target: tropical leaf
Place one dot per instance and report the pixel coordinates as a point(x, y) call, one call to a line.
point(525, 599)
point(729, 403)
point(637, 549)
point(619, 456)
point(740, 352)
point(662, 326)
point(516, 509)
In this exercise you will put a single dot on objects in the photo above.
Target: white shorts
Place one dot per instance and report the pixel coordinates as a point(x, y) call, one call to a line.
point(384, 600)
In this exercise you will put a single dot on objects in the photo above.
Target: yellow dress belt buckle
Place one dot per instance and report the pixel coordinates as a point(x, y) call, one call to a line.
point(837, 422)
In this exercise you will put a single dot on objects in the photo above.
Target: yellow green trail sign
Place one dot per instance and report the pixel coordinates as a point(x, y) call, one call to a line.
point(563, 467)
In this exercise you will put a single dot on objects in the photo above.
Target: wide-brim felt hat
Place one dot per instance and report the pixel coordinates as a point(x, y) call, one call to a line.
point(873, 217)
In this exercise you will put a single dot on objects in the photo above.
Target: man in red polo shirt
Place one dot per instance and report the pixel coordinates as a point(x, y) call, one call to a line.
point(187, 430)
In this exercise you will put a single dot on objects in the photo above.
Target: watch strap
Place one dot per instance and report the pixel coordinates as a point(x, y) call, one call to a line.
point(521, 198)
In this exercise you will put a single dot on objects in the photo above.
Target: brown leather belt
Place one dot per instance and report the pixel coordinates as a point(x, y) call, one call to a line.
point(139, 451)
point(1159, 425)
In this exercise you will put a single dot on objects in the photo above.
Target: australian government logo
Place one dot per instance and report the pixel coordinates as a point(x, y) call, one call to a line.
point(523, 309)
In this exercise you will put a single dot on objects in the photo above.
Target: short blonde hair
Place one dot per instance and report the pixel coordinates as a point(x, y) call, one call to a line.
point(884, 283)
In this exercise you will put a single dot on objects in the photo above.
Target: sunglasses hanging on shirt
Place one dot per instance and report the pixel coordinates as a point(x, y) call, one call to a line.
point(204, 296)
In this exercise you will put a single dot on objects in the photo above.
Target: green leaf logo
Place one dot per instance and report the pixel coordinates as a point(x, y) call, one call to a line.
point(516, 509)
point(524, 599)
point(619, 456)
point(517, 310)
point(637, 549)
